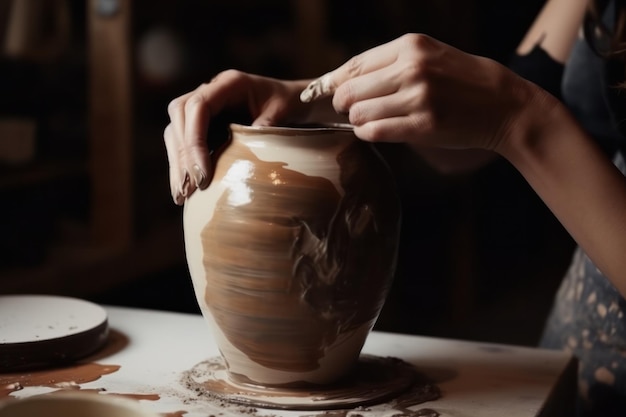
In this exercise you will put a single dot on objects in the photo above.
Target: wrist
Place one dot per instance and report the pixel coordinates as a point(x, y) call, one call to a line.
point(540, 117)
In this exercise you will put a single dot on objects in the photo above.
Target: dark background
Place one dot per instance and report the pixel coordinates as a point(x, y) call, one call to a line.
point(481, 256)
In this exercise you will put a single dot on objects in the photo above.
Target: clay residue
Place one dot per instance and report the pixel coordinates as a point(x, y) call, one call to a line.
point(319, 88)
point(71, 377)
point(8, 388)
point(211, 391)
point(115, 343)
point(174, 414)
point(296, 264)
point(66, 377)
point(137, 397)
point(422, 412)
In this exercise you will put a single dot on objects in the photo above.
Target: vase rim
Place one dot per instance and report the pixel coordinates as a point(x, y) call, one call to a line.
point(313, 128)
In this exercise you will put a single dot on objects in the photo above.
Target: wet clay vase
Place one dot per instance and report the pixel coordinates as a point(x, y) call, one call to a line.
point(292, 249)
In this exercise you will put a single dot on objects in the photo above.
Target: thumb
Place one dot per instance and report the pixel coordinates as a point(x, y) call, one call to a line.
point(263, 121)
point(272, 113)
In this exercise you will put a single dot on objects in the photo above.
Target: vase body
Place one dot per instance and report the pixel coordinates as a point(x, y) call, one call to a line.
point(292, 250)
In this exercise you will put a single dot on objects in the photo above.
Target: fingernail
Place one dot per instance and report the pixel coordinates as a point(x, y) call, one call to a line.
point(178, 199)
point(184, 188)
point(199, 177)
point(177, 196)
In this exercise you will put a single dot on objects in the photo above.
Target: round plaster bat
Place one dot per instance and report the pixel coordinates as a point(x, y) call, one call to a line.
point(43, 330)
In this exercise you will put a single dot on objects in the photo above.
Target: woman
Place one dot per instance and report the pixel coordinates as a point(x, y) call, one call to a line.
point(458, 111)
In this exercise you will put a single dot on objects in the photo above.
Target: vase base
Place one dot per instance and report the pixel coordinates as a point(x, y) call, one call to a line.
point(373, 380)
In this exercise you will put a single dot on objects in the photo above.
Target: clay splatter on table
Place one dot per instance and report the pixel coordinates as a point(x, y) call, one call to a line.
point(67, 377)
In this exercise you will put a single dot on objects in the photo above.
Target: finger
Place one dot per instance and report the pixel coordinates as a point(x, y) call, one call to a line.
point(411, 128)
point(174, 135)
point(368, 61)
point(176, 171)
point(272, 112)
point(176, 112)
point(379, 83)
point(229, 88)
point(196, 158)
point(397, 104)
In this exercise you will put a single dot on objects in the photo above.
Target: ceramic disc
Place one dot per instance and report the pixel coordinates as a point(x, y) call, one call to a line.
point(374, 380)
point(43, 330)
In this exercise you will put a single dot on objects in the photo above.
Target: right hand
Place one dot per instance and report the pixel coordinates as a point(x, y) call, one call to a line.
point(268, 101)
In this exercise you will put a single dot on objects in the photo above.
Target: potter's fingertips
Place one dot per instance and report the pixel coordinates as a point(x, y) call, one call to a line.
point(199, 177)
point(184, 188)
point(319, 88)
point(306, 95)
point(263, 121)
point(178, 199)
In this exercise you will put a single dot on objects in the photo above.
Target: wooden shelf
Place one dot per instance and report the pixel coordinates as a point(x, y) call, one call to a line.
point(131, 228)
point(119, 243)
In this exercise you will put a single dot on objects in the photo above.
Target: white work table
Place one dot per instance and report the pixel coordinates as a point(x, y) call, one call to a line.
point(153, 349)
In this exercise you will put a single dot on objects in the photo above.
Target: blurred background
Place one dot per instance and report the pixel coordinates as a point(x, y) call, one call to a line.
point(85, 203)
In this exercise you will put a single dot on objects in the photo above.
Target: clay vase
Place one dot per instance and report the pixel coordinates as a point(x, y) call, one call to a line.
point(292, 249)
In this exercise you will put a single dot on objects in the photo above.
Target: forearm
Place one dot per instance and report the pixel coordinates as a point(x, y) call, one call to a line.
point(577, 182)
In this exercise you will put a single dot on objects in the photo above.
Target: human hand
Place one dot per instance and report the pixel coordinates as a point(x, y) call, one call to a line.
point(418, 90)
point(267, 100)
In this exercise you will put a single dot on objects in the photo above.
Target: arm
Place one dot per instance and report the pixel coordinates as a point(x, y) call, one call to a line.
point(555, 28)
point(576, 181)
point(562, 164)
point(427, 94)
point(554, 31)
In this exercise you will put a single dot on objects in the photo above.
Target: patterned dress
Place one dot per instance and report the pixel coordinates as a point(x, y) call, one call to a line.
point(589, 320)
